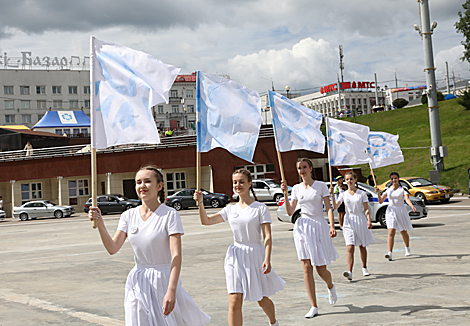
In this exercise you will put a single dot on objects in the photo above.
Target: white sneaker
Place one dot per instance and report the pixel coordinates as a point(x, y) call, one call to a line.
point(365, 272)
point(311, 313)
point(348, 275)
point(389, 256)
point(407, 251)
point(275, 324)
point(332, 295)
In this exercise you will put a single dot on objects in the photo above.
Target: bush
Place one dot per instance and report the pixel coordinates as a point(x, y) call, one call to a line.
point(399, 103)
point(465, 99)
point(440, 97)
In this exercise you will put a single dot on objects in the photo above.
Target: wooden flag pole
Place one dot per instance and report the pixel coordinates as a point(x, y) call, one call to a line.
point(328, 149)
point(281, 168)
point(94, 184)
point(373, 175)
point(198, 172)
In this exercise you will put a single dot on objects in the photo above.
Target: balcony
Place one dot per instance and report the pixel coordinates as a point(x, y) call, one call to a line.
point(175, 99)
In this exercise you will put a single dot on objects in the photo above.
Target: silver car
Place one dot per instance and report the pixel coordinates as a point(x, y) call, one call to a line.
point(266, 190)
point(2, 214)
point(41, 208)
point(376, 210)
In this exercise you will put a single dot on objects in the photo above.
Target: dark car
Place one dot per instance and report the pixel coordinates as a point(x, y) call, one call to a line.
point(184, 199)
point(113, 204)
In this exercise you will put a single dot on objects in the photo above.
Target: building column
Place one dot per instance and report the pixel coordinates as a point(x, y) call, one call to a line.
point(12, 195)
point(59, 189)
point(108, 182)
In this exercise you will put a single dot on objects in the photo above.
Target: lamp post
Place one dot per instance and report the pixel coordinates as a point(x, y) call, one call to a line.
point(287, 91)
point(396, 80)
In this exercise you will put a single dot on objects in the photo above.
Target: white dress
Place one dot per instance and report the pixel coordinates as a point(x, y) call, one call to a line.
point(245, 257)
point(396, 215)
point(311, 231)
point(147, 282)
point(355, 229)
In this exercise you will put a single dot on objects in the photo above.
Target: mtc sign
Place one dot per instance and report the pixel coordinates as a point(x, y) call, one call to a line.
point(347, 85)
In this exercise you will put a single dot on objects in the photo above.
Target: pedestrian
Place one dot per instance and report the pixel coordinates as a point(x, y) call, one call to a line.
point(248, 272)
point(154, 295)
point(339, 188)
point(312, 236)
point(370, 180)
point(396, 215)
point(357, 224)
point(29, 149)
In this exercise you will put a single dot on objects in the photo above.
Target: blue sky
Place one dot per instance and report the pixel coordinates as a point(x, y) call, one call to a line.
point(293, 43)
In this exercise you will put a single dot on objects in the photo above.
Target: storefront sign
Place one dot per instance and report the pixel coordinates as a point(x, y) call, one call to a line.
point(347, 85)
point(27, 59)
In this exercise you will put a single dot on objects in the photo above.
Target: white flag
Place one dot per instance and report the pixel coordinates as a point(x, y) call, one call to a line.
point(125, 85)
point(384, 149)
point(228, 116)
point(295, 126)
point(347, 142)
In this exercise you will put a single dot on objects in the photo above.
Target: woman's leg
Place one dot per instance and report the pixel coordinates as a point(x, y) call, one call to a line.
point(391, 239)
point(363, 256)
point(350, 257)
point(268, 308)
point(406, 238)
point(235, 302)
point(309, 281)
point(325, 275)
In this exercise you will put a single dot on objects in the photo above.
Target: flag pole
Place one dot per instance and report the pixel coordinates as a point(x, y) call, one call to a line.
point(328, 148)
point(279, 157)
point(281, 168)
point(373, 175)
point(94, 174)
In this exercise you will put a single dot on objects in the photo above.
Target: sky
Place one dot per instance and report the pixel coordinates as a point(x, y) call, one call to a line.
point(258, 43)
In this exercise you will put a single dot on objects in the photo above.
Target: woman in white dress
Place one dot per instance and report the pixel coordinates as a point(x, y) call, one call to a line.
point(154, 295)
point(396, 216)
point(248, 272)
point(312, 236)
point(356, 226)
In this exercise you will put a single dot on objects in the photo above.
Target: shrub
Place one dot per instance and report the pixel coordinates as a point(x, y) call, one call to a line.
point(440, 97)
point(399, 103)
point(465, 99)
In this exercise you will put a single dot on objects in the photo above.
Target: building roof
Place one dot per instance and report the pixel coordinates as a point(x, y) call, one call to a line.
point(33, 132)
point(15, 127)
point(186, 78)
point(63, 119)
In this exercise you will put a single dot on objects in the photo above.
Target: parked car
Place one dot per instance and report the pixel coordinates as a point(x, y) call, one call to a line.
point(113, 204)
point(423, 189)
point(266, 190)
point(2, 214)
point(41, 208)
point(376, 210)
point(184, 199)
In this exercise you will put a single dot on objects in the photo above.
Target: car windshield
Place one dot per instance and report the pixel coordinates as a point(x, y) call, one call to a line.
point(49, 203)
point(273, 183)
point(121, 197)
point(420, 182)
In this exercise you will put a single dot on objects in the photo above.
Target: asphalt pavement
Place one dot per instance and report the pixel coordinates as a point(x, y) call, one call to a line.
point(56, 272)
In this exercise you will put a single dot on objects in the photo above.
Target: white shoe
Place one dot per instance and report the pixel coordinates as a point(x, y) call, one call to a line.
point(348, 275)
point(389, 256)
point(332, 295)
point(311, 313)
point(365, 272)
point(407, 251)
point(275, 324)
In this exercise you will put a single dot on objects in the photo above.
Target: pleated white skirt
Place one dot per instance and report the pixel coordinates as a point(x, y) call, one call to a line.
point(355, 231)
point(146, 287)
point(244, 274)
point(312, 241)
point(397, 218)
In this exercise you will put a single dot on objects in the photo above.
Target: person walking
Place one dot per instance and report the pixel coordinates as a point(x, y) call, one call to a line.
point(357, 223)
point(396, 215)
point(248, 272)
point(154, 295)
point(339, 188)
point(312, 236)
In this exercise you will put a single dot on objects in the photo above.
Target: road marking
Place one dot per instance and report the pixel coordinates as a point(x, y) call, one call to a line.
point(49, 306)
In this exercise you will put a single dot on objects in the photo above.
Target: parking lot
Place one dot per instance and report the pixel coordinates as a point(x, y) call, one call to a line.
point(56, 272)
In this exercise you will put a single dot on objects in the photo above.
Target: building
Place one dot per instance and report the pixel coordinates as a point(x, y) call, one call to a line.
point(411, 94)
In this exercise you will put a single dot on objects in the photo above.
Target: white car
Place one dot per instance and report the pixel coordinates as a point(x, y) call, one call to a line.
point(376, 210)
point(2, 214)
point(266, 190)
point(41, 208)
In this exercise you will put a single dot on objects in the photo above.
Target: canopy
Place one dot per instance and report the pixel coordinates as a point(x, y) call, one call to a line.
point(63, 119)
point(449, 97)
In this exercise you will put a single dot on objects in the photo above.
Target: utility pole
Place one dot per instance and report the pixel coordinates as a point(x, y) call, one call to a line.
point(341, 64)
point(447, 78)
point(437, 151)
point(339, 95)
point(376, 91)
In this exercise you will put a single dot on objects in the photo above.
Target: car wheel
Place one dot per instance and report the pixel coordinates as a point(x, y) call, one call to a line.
point(177, 205)
point(381, 217)
point(128, 207)
point(58, 214)
point(295, 216)
point(277, 199)
point(421, 196)
point(445, 200)
point(215, 203)
point(23, 217)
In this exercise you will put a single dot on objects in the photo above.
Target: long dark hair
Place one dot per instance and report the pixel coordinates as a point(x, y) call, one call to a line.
point(248, 176)
point(394, 173)
point(159, 177)
point(310, 165)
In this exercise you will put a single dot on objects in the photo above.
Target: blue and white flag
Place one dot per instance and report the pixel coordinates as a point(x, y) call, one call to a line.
point(347, 142)
point(295, 126)
point(228, 116)
point(125, 85)
point(384, 149)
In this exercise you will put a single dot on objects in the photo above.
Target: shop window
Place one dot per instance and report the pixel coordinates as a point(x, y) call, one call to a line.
point(78, 188)
point(175, 181)
point(31, 191)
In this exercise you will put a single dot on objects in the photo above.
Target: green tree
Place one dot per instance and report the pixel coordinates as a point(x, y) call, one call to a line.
point(399, 103)
point(463, 26)
point(465, 99)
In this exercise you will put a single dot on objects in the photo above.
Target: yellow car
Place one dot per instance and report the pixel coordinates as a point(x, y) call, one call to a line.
point(423, 189)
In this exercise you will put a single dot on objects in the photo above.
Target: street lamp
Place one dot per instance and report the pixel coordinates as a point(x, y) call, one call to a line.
point(287, 91)
point(396, 80)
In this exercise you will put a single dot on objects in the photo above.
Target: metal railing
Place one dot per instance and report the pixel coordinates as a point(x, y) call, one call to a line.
point(77, 150)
